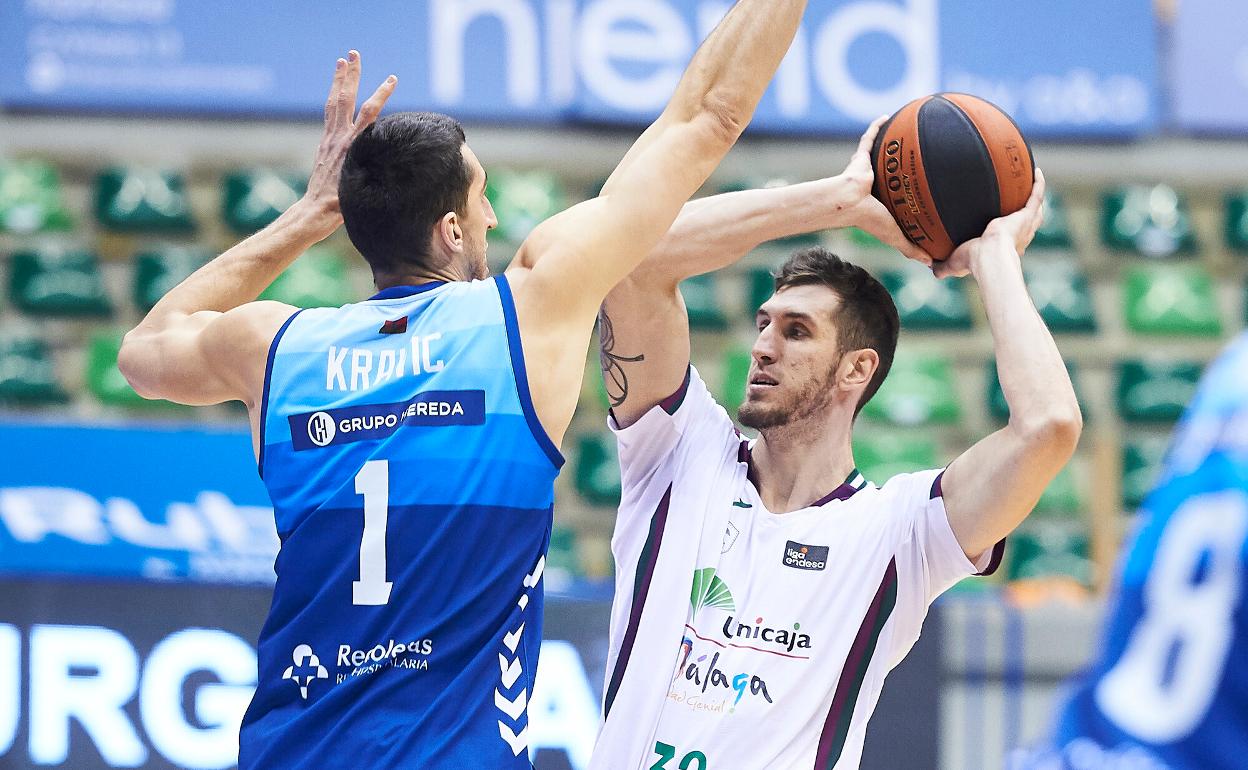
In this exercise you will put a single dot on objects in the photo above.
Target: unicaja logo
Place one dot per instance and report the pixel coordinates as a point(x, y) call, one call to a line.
point(307, 667)
point(710, 591)
point(321, 429)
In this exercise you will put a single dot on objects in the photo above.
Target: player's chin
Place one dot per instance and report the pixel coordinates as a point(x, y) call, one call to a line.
point(759, 416)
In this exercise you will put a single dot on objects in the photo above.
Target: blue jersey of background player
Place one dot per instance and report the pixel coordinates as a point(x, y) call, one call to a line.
point(1170, 687)
point(408, 453)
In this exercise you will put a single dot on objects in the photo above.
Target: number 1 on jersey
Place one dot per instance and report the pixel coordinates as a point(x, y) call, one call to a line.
point(373, 482)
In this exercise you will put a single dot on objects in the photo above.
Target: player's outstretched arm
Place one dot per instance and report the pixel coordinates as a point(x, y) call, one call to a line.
point(993, 486)
point(574, 259)
point(643, 326)
point(580, 254)
point(205, 341)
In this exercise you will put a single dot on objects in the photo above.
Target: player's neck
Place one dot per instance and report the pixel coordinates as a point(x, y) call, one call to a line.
point(444, 275)
point(799, 463)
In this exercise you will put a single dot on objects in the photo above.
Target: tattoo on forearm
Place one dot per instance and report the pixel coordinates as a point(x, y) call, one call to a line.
point(613, 365)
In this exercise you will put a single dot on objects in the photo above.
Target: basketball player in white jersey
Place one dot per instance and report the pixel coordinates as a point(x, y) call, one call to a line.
point(764, 588)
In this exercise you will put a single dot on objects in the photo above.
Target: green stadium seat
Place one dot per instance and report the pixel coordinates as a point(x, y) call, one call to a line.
point(1152, 221)
point(1062, 294)
point(1065, 497)
point(1000, 410)
point(1155, 391)
point(30, 198)
point(1141, 464)
point(925, 303)
point(563, 561)
point(597, 475)
point(1171, 300)
point(28, 373)
point(793, 242)
point(158, 271)
point(316, 279)
point(133, 200)
point(58, 283)
point(1055, 232)
point(880, 455)
point(702, 302)
point(105, 382)
point(1049, 549)
point(919, 390)
point(863, 239)
point(736, 375)
point(1237, 220)
point(522, 200)
point(251, 199)
point(760, 285)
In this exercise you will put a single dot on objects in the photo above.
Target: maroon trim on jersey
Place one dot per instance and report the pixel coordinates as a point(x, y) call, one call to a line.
point(673, 402)
point(641, 589)
point(845, 698)
point(998, 550)
point(843, 492)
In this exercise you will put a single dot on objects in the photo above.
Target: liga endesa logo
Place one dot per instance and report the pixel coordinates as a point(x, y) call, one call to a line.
point(801, 556)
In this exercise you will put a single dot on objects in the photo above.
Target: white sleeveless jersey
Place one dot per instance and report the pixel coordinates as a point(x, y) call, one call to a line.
point(775, 644)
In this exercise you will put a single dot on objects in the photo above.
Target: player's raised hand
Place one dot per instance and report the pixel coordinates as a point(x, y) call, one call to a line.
point(342, 125)
point(1017, 229)
point(863, 210)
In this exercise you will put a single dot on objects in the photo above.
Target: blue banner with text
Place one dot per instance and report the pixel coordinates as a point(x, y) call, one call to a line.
point(138, 503)
point(1062, 68)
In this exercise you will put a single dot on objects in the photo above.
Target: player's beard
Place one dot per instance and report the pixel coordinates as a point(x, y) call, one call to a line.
point(476, 266)
point(801, 403)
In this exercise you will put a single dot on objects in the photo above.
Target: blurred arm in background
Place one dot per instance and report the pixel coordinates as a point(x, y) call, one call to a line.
point(643, 325)
point(206, 341)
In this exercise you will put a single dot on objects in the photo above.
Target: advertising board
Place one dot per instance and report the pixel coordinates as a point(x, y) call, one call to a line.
point(1062, 68)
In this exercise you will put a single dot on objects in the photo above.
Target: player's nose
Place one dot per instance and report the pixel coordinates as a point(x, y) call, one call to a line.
point(764, 350)
point(491, 220)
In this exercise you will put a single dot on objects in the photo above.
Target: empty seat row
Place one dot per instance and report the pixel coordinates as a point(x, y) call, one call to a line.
point(1147, 220)
point(1173, 300)
point(70, 284)
point(140, 200)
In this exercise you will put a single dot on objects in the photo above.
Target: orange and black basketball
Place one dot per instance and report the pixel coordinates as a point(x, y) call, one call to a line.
point(948, 164)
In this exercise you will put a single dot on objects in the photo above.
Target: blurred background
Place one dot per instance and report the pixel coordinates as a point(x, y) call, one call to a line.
point(140, 138)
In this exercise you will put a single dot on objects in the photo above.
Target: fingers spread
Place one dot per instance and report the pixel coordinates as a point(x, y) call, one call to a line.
point(348, 89)
point(372, 108)
point(331, 102)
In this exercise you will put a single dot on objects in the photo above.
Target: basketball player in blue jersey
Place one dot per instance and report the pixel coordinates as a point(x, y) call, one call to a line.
point(409, 442)
point(1170, 687)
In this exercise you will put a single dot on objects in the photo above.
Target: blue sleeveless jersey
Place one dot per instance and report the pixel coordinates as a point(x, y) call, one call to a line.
point(413, 490)
point(1170, 688)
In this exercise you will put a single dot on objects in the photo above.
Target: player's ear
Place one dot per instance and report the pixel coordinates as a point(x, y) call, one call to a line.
point(857, 368)
point(451, 232)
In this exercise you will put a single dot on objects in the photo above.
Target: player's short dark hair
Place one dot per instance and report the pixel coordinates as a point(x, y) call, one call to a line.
point(400, 177)
point(867, 317)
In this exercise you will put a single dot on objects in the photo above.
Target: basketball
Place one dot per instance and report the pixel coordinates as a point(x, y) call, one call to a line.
point(948, 164)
